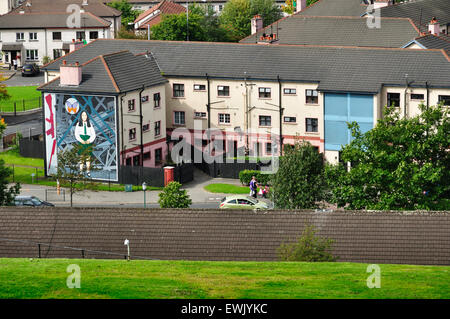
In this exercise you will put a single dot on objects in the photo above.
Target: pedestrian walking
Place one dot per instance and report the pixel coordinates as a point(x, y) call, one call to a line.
point(15, 64)
point(253, 186)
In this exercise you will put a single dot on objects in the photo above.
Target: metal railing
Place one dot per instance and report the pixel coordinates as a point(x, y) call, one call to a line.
point(83, 251)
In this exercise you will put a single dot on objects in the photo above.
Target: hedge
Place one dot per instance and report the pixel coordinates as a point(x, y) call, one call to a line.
point(245, 177)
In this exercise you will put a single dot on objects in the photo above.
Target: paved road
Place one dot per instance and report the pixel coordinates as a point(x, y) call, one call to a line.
point(195, 190)
point(19, 80)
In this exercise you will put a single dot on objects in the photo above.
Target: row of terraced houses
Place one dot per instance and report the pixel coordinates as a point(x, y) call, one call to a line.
point(137, 93)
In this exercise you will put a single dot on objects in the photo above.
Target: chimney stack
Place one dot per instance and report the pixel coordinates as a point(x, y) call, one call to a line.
point(301, 5)
point(257, 23)
point(434, 27)
point(75, 45)
point(70, 74)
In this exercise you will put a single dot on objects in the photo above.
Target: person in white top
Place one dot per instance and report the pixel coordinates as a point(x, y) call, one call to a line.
point(85, 135)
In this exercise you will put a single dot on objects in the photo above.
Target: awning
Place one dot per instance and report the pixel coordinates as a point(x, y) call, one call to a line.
point(12, 47)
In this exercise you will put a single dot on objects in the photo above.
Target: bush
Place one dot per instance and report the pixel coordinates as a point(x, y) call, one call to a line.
point(174, 197)
point(309, 247)
point(245, 177)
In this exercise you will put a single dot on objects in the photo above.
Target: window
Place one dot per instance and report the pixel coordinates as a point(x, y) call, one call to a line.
point(417, 96)
point(265, 120)
point(57, 53)
point(157, 100)
point(312, 125)
point(32, 55)
point(144, 99)
point(20, 36)
point(199, 87)
point(131, 105)
point(93, 35)
point(178, 90)
point(146, 156)
point(312, 97)
point(57, 36)
point(220, 8)
point(157, 128)
point(158, 156)
point(128, 161)
point(200, 114)
point(264, 93)
point(224, 118)
point(268, 148)
point(445, 99)
point(33, 36)
point(81, 35)
point(290, 91)
point(145, 127)
point(223, 90)
point(290, 119)
point(178, 118)
point(393, 99)
point(132, 134)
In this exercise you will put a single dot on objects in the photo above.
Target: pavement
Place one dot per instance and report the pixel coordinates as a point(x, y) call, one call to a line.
point(200, 197)
point(15, 78)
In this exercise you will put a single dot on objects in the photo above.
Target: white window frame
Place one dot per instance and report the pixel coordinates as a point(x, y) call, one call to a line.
point(224, 118)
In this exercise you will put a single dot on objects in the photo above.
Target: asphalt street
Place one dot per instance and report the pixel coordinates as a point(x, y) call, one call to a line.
point(19, 80)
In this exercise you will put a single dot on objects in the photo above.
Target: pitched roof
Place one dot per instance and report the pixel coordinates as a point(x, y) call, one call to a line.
point(420, 11)
point(342, 8)
point(113, 73)
point(348, 31)
point(430, 41)
point(368, 237)
point(164, 7)
point(96, 7)
point(348, 69)
point(48, 20)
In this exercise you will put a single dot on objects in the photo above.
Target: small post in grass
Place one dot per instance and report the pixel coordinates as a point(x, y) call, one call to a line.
point(127, 243)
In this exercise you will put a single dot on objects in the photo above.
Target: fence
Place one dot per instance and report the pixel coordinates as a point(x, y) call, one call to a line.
point(136, 175)
point(31, 148)
point(228, 170)
point(20, 105)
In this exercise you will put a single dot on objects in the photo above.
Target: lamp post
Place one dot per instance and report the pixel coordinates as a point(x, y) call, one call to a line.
point(144, 187)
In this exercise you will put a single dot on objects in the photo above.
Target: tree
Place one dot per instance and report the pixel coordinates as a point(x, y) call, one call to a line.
point(71, 168)
point(237, 14)
point(128, 14)
point(7, 194)
point(309, 248)
point(402, 163)
point(288, 7)
point(299, 181)
point(174, 197)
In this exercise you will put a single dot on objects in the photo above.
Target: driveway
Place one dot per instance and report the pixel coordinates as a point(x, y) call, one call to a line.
point(18, 80)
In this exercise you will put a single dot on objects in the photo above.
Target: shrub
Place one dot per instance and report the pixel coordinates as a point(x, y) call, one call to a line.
point(173, 196)
point(245, 177)
point(309, 247)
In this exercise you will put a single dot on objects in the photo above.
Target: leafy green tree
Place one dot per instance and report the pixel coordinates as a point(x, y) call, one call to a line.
point(237, 14)
point(288, 7)
point(402, 163)
point(173, 196)
point(7, 194)
point(73, 169)
point(309, 247)
point(299, 181)
point(128, 14)
point(4, 95)
point(173, 27)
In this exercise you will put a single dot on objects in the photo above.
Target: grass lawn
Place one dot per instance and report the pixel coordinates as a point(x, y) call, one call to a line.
point(227, 189)
point(46, 278)
point(19, 94)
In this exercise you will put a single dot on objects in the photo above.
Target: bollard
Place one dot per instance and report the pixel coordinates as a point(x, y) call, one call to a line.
point(58, 188)
point(39, 250)
point(15, 109)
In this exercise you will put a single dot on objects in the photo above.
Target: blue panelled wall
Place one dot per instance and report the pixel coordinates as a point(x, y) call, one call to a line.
point(341, 108)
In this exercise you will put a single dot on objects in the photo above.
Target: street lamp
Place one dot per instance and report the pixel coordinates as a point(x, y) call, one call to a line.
point(144, 187)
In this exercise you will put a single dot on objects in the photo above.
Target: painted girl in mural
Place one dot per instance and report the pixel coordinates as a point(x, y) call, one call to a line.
point(85, 135)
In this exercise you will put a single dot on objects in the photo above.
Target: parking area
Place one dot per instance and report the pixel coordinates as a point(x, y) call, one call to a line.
point(18, 80)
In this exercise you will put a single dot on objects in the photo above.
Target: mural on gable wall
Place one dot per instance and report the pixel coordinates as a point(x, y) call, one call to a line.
point(85, 120)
